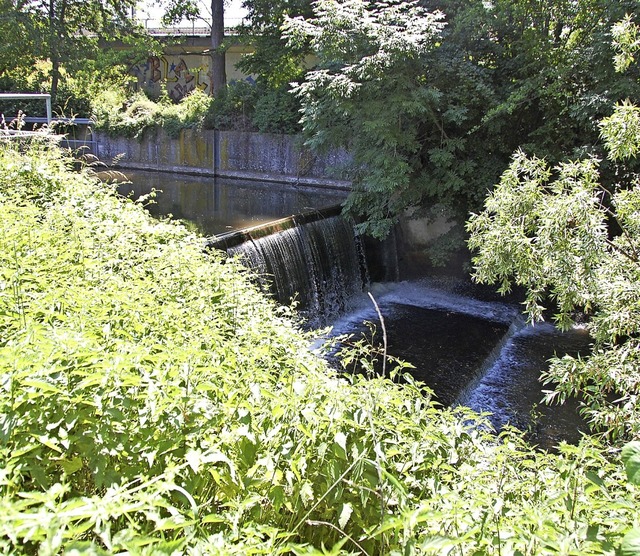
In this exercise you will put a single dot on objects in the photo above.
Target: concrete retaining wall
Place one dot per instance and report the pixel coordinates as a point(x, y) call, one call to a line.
point(271, 157)
point(259, 156)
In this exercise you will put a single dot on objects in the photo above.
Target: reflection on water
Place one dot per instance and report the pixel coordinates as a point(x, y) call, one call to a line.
point(218, 205)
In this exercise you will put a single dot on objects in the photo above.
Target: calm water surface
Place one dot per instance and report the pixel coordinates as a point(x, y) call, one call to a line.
point(218, 205)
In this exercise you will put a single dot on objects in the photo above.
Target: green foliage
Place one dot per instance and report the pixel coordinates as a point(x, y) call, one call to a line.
point(154, 402)
point(116, 114)
point(130, 117)
point(58, 47)
point(548, 232)
point(367, 95)
point(277, 111)
point(242, 106)
point(440, 124)
point(190, 112)
point(234, 107)
point(245, 106)
point(68, 31)
point(272, 60)
point(631, 458)
point(19, 45)
point(626, 41)
point(568, 240)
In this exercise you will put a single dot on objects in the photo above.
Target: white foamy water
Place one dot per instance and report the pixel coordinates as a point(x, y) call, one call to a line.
point(503, 380)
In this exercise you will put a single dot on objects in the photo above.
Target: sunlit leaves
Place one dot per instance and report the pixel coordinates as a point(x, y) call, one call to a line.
point(621, 131)
point(547, 231)
point(152, 401)
point(574, 247)
point(626, 41)
point(367, 96)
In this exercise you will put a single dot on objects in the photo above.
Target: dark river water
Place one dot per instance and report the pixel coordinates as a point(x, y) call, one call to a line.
point(468, 350)
point(218, 205)
point(474, 352)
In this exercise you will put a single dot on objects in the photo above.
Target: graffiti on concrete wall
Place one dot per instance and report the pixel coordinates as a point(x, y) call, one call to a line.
point(174, 73)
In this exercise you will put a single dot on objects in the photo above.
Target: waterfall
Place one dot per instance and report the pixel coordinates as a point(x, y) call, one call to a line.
point(315, 259)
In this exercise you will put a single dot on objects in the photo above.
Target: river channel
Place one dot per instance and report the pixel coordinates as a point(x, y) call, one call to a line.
point(469, 349)
point(218, 205)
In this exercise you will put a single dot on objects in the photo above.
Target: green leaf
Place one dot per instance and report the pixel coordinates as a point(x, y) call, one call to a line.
point(631, 543)
point(71, 466)
point(631, 459)
point(212, 518)
point(171, 523)
point(345, 514)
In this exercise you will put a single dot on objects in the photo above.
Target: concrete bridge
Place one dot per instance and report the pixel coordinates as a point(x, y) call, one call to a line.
point(184, 63)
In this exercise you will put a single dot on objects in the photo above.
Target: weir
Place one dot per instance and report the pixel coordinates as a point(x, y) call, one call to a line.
point(314, 259)
point(463, 343)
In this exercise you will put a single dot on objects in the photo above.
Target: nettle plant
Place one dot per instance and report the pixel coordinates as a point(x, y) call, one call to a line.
point(154, 402)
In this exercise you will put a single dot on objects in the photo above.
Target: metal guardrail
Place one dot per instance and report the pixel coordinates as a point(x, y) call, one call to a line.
point(31, 96)
point(73, 120)
point(191, 30)
point(74, 144)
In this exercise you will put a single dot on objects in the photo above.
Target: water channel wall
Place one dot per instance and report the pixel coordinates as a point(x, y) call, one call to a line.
point(234, 154)
point(270, 157)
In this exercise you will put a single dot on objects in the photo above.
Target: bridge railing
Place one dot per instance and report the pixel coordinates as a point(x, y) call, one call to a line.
point(31, 96)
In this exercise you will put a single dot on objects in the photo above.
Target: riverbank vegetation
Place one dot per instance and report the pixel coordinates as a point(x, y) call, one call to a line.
point(154, 402)
point(572, 241)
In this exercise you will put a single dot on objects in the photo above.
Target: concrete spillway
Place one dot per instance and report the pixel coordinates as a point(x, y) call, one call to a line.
point(315, 259)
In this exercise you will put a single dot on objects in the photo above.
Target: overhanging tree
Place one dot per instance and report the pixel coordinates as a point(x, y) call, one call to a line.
point(440, 124)
point(272, 59)
point(368, 95)
point(19, 46)
point(574, 245)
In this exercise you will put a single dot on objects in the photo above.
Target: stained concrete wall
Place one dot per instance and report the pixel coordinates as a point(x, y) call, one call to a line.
point(236, 154)
point(283, 158)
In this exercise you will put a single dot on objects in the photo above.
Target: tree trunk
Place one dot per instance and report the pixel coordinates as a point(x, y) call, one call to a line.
point(57, 16)
point(218, 70)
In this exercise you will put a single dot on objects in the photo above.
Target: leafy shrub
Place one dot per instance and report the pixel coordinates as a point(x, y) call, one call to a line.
point(190, 112)
point(130, 117)
point(154, 402)
point(277, 111)
point(241, 106)
point(233, 109)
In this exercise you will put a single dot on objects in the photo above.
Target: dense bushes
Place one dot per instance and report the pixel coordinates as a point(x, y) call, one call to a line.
point(154, 402)
point(242, 106)
point(129, 117)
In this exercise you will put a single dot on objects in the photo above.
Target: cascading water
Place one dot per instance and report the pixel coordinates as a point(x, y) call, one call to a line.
point(315, 259)
point(474, 352)
point(469, 350)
